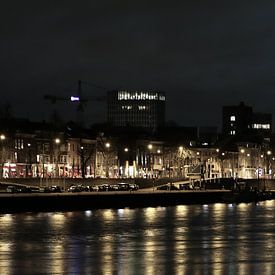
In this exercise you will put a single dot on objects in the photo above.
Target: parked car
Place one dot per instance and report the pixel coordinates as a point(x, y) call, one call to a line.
point(104, 187)
point(52, 189)
point(122, 186)
point(75, 188)
point(133, 186)
point(167, 187)
point(12, 189)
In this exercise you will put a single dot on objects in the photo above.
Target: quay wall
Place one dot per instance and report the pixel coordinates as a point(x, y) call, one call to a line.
point(41, 202)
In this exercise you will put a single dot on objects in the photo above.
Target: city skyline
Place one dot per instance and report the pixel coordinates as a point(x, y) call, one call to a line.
point(203, 56)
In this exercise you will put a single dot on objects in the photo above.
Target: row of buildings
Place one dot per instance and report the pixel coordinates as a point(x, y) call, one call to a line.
point(135, 142)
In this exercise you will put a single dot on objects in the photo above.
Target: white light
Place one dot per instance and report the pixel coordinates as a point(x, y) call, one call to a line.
point(75, 98)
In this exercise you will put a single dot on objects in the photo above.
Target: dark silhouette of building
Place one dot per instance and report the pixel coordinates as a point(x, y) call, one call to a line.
point(240, 120)
point(136, 109)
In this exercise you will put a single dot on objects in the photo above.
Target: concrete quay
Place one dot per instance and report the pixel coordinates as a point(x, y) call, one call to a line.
point(48, 202)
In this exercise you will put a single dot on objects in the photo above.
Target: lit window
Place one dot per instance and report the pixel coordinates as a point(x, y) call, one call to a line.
point(233, 118)
point(233, 132)
point(141, 107)
point(260, 126)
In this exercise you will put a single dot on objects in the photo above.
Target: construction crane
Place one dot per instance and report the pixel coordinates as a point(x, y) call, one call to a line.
point(78, 99)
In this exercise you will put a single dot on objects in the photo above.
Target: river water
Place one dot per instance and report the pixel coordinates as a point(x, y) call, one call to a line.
point(185, 239)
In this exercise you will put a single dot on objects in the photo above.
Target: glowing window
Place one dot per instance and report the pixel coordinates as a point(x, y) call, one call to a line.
point(232, 118)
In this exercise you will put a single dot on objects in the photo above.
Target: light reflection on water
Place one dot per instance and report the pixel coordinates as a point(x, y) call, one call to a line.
point(186, 239)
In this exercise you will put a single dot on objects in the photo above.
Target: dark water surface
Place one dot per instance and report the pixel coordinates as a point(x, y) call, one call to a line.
point(191, 239)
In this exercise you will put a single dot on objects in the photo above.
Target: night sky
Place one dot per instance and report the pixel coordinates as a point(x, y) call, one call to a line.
point(203, 54)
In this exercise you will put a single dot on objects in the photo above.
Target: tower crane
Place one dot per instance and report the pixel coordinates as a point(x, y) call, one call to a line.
point(78, 99)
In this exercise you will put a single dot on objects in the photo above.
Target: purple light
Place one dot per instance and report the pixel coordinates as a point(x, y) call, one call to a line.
point(74, 98)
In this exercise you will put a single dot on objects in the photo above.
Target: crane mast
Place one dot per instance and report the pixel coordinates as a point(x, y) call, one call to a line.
point(76, 99)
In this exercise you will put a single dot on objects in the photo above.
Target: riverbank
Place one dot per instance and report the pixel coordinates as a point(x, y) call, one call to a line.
point(49, 202)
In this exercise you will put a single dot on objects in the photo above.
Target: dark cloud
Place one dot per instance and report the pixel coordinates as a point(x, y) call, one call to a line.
point(204, 54)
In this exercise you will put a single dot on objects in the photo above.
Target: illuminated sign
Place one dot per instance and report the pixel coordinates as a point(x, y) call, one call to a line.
point(75, 98)
point(124, 95)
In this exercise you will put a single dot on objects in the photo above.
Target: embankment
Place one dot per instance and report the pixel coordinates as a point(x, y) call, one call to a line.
point(40, 202)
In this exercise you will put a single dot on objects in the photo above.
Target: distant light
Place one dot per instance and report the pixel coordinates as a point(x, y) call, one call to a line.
point(75, 98)
point(107, 145)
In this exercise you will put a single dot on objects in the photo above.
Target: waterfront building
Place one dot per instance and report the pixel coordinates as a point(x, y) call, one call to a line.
point(142, 109)
point(241, 120)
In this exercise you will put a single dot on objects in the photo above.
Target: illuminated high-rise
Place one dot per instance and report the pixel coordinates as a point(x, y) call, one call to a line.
point(136, 109)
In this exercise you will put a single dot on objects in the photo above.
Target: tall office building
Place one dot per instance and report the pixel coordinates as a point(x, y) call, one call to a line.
point(136, 109)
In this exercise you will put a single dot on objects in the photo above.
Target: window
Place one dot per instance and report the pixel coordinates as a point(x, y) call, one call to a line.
point(233, 132)
point(260, 126)
point(63, 159)
point(232, 118)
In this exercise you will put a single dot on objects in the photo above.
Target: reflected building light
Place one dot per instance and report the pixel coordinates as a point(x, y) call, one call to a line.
point(219, 206)
point(120, 212)
point(7, 264)
point(205, 208)
point(6, 220)
point(57, 220)
point(88, 213)
point(181, 210)
point(56, 260)
point(150, 257)
point(107, 253)
point(108, 215)
point(150, 214)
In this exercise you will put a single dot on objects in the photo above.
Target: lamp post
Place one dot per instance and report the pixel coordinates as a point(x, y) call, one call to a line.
point(107, 146)
point(29, 165)
point(126, 169)
point(150, 147)
point(57, 142)
point(43, 165)
point(2, 139)
point(268, 168)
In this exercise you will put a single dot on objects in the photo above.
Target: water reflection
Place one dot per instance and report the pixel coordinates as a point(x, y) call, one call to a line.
point(195, 239)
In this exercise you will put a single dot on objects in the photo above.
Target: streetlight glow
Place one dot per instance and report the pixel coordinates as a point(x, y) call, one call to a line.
point(57, 140)
point(150, 146)
point(107, 145)
point(2, 137)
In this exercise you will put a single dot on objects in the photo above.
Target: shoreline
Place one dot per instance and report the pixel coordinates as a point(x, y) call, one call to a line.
point(54, 202)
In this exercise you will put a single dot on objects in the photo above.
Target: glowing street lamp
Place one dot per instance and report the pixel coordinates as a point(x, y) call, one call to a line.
point(57, 142)
point(107, 145)
point(2, 138)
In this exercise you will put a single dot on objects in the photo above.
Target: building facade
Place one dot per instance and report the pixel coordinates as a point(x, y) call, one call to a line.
point(241, 120)
point(136, 109)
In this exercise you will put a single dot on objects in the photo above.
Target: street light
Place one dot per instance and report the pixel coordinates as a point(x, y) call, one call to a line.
point(29, 165)
point(107, 145)
point(2, 138)
point(57, 142)
point(150, 147)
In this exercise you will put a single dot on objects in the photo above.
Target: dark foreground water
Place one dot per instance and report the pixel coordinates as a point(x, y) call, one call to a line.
point(193, 239)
